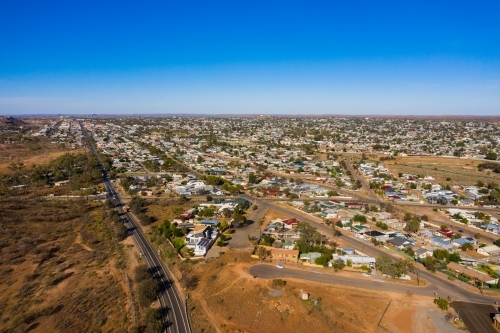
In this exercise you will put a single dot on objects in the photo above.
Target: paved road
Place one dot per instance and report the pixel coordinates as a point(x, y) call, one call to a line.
point(477, 317)
point(172, 306)
point(445, 287)
point(271, 272)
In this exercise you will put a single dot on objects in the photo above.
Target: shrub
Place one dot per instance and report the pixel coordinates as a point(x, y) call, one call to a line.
point(278, 283)
point(442, 303)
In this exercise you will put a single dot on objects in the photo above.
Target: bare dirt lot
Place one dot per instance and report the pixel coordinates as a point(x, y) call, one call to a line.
point(22, 153)
point(232, 300)
point(461, 171)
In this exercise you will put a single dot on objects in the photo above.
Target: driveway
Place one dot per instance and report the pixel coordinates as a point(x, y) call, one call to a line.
point(239, 240)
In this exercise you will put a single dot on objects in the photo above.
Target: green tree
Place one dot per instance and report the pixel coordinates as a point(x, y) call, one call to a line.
point(429, 264)
point(385, 264)
point(412, 225)
point(491, 156)
point(403, 267)
point(252, 178)
point(441, 254)
point(146, 291)
point(323, 260)
point(455, 257)
point(332, 193)
point(467, 246)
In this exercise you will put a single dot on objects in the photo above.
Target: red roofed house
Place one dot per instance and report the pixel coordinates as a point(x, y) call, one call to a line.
point(354, 205)
point(446, 233)
point(290, 223)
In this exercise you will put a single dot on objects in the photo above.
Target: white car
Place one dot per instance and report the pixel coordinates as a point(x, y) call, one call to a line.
point(366, 274)
point(280, 266)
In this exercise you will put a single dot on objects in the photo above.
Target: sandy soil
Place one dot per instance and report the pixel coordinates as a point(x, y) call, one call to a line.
point(29, 158)
point(232, 300)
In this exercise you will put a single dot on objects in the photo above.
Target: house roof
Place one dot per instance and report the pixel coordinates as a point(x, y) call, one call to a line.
point(491, 249)
point(421, 251)
point(398, 241)
point(469, 272)
point(204, 242)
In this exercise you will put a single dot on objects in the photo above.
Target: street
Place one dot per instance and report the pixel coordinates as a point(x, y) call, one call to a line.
point(172, 306)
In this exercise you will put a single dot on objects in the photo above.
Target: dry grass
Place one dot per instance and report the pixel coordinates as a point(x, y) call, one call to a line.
point(233, 300)
point(25, 153)
point(60, 269)
point(461, 171)
point(164, 209)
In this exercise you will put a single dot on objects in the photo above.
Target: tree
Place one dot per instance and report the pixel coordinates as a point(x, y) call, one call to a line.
point(252, 179)
point(441, 254)
point(141, 273)
point(323, 260)
point(385, 265)
point(262, 252)
point(154, 323)
point(332, 193)
point(146, 291)
point(412, 225)
point(467, 246)
point(455, 257)
point(429, 264)
point(403, 266)
point(338, 265)
point(491, 156)
point(224, 225)
point(359, 218)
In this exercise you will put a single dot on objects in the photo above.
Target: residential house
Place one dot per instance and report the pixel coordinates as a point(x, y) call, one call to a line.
point(439, 242)
point(284, 254)
point(422, 253)
point(461, 241)
point(399, 243)
point(490, 250)
point(309, 257)
point(357, 260)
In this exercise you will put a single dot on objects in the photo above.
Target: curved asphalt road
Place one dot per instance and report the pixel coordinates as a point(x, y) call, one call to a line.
point(445, 287)
point(271, 272)
point(172, 306)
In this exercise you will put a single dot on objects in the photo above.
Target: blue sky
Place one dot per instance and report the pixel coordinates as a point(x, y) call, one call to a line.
point(279, 57)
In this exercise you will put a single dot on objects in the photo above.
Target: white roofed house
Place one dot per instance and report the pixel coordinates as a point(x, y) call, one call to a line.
point(490, 250)
point(357, 260)
point(200, 239)
point(422, 253)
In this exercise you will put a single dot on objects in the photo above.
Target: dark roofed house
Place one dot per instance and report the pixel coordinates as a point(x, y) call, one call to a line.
point(399, 243)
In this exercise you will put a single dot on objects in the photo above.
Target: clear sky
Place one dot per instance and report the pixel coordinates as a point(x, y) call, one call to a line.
point(263, 57)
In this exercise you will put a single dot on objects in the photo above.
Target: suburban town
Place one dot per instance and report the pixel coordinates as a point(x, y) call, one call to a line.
point(249, 167)
point(295, 197)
